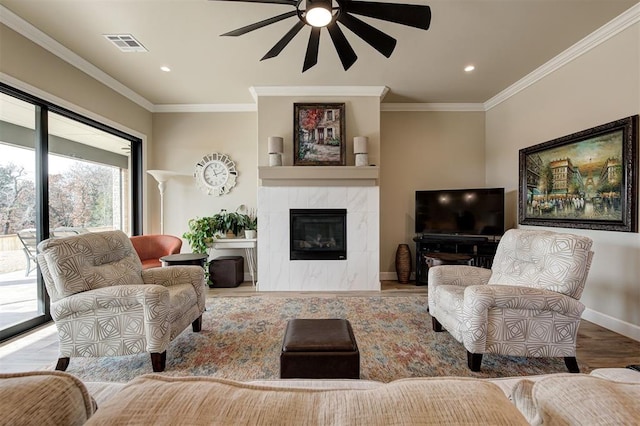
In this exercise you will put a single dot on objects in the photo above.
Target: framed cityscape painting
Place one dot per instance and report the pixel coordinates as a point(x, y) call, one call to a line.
point(585, 180)
point(319, 135)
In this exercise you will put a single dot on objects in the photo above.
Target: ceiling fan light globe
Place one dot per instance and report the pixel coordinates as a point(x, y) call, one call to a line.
point(318, 17)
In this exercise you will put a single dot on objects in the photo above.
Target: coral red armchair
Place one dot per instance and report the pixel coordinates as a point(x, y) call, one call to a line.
point(151, 248)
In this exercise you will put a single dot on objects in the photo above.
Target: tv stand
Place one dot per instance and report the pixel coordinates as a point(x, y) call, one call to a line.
point(481, 249)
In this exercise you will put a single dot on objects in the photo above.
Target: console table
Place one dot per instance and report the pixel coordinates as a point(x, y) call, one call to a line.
point(480, 250)
point(248, 244)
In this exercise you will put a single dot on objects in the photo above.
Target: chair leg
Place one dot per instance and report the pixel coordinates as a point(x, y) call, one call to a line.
point(435, 324)
point(197, 324)
point(572, 364)
point(158, 361)
point(62, 364)
point(474, 361)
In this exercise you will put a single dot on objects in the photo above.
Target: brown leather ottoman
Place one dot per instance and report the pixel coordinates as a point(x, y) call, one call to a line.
point(319, 349)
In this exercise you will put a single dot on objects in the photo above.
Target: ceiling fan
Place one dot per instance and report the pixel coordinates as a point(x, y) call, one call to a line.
point(322, 13)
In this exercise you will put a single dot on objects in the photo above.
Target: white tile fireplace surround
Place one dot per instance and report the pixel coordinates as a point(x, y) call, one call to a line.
point(359, 272)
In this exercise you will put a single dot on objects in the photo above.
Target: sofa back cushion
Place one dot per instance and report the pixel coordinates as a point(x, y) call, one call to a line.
point(88, 261)
point(543, 259)
point(156, 399)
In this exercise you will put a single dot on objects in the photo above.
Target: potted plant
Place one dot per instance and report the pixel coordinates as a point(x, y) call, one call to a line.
point(204, 230)
point(230, 223)
point(250, 224)
point(202, 233)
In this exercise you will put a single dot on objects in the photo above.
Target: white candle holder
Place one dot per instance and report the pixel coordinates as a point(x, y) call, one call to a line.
point(361, 150)
point(275, 159)
point(362, 160)
point(275, 145)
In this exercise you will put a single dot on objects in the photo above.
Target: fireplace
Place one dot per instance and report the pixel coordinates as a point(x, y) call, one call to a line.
point(318, 234)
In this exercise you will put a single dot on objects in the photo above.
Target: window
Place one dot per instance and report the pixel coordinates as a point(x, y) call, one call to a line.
point(60, 174)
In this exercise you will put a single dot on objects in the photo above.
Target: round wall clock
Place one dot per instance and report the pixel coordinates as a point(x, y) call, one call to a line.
point(216, 174)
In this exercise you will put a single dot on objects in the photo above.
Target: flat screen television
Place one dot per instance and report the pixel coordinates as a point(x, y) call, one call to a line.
point(460, 212)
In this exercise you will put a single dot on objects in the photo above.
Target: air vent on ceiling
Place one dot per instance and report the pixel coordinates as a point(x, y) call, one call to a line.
point(126, 42)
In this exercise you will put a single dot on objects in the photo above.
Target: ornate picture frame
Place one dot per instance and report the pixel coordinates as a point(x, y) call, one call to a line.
point(319, 137)
point(587, 180)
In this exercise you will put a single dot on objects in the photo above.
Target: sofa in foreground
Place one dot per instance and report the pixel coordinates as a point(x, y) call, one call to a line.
point(605, 397)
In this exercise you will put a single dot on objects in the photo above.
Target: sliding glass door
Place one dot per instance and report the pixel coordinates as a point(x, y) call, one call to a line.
point(61, 174)
point(19, 301)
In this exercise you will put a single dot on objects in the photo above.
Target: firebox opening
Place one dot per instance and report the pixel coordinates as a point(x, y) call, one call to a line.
point(318, 234)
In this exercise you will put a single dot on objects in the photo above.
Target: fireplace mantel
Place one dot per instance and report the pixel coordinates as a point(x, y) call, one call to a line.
point(319, 176)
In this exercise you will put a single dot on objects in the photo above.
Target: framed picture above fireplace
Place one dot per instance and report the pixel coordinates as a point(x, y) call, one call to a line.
point(319, 134)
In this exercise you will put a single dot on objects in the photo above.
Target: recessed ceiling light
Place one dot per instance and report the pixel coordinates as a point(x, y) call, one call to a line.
point(469, 68)
point(165, 68)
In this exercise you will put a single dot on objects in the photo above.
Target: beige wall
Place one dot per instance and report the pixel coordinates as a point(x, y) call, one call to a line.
point(181, 140)
point(419, 151)
point(600, 86)
point(275, 118)
point(31, 64)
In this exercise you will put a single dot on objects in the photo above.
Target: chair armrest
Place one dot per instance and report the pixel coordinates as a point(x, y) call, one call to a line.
point(457, 275)
point(478, 299)
point(461, 275)
point(171, 275)
point(119, 297)
point(179, 274)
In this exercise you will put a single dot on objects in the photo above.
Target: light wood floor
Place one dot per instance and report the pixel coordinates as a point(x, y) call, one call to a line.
point(597, 347)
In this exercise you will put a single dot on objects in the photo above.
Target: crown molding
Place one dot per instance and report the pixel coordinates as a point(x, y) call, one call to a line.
point(334, 91)
point(448, 107)
point(27, 30)
point(623, 21)
point(618, 24)
point(205, 108)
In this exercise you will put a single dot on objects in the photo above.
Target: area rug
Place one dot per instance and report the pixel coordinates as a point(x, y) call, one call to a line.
point(241, 339)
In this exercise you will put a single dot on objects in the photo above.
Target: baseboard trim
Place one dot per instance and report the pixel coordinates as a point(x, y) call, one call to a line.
point(629, 330)
point(392, 276)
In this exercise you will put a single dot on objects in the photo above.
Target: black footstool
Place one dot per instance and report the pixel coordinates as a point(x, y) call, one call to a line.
point(226, 271)
point(319, 349)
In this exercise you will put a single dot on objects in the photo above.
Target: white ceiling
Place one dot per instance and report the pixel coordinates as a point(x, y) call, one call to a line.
point(504, 39)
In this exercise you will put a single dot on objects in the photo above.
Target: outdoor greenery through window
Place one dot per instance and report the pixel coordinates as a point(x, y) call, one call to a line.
point(81, 194)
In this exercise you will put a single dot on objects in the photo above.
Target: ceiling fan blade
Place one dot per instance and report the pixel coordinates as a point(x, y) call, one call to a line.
point(380, 41)
point(275, 50)
point(347, 56)
point(413, 15)
point(287, 2)
point(311, 57)
point(249, 28)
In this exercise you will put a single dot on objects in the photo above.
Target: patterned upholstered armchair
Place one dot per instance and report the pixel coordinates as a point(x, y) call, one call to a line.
point(526, 305)
point(104, 304)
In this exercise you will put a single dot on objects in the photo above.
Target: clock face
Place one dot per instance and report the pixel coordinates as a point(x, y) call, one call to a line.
point(216, 174)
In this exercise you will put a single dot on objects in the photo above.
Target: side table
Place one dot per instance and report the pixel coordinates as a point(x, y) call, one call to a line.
point(184, 259)
point(248, 244)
